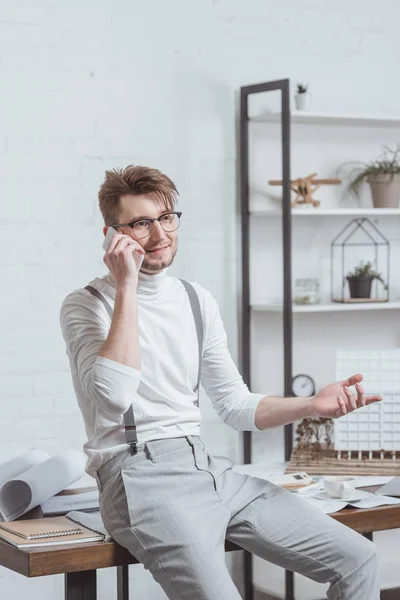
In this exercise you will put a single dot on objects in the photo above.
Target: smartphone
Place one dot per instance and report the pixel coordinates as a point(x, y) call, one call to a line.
point(108, 237)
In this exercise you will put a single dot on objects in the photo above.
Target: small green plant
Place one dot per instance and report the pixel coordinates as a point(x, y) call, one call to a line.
point(388, 163)
point(364, 270)
point(301, 88)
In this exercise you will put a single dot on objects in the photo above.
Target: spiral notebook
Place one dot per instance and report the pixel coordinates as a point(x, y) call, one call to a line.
point(30, 533)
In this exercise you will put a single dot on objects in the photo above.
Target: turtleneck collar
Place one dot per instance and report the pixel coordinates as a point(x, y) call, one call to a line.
point(149, 285)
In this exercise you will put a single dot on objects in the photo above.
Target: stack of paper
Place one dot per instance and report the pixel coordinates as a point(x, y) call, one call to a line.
point(63, 503)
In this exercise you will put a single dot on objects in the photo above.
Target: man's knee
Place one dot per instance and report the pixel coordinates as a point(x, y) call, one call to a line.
point(371, 557)
point(363, 556)
point(366, 550)
point(355, 554)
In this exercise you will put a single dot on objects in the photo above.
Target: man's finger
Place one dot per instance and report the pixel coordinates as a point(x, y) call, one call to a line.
point(372, 399)
point(353, 380)
point(342, 405)
point(360, 395)
point(352, 404)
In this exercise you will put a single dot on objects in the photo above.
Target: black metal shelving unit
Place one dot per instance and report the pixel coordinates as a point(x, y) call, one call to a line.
point(283, 87)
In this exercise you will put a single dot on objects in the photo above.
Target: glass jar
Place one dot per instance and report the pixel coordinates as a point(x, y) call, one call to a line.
point(307, 291)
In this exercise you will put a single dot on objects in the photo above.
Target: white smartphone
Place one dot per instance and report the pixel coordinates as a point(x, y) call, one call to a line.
point(108, 237)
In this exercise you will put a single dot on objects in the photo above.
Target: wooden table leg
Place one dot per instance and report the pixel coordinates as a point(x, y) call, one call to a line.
point(123, 582)
point(81, 585)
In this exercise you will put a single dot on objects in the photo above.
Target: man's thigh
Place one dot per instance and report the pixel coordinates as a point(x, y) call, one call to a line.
point(284, 529)
point(169, 516)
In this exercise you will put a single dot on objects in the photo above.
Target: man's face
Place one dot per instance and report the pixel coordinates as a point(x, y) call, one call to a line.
point(160, 246)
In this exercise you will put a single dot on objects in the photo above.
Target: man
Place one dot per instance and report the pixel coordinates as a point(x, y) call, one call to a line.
point(135, 372)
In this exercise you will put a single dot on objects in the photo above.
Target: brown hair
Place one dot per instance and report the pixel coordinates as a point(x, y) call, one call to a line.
point(136, 180)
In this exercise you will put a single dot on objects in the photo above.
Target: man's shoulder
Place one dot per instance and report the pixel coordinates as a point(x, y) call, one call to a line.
point(80, 298)
point(206, 299)
point(177, 283)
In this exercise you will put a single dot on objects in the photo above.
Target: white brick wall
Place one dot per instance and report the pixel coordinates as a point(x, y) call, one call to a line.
point(90, 85)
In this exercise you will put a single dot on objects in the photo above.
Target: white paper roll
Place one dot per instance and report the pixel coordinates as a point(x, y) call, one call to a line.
point(18, 465)
point(40, 483)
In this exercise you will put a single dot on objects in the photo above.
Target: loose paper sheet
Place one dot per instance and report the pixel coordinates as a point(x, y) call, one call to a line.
point(63, 504)
point(268, 471)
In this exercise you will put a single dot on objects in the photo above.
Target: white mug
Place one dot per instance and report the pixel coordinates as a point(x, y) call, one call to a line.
point(340, 487)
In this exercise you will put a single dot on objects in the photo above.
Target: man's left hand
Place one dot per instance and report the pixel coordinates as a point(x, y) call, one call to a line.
point(336, 399)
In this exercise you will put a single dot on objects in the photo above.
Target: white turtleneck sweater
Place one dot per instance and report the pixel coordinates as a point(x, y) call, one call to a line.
point(162, 393)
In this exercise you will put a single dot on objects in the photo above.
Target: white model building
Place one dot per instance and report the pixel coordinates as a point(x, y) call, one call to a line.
point(375, 427)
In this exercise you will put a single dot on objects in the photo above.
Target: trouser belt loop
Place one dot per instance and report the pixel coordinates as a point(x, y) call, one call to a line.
point(98, 481)
point(150, 453)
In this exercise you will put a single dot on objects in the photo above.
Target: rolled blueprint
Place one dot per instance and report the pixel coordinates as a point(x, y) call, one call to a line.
point(40, 483)
point(20, 464)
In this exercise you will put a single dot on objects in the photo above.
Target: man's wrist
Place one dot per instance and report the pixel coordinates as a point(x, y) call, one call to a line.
point(128, 287)
point(309, 407)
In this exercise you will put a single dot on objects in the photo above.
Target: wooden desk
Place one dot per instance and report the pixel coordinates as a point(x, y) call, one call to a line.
point(79, 563)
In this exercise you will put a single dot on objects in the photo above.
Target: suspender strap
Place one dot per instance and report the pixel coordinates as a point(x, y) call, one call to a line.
point(129, 418)
point(100, 296)
point(195, 304)
point(130, 429)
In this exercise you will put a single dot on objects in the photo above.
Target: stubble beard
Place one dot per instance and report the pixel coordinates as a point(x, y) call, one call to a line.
point(150, 265)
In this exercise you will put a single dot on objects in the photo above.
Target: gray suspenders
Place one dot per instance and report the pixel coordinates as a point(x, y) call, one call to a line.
point(129, 418)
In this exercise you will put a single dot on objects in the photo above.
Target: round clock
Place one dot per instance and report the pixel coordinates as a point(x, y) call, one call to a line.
point(303, 385)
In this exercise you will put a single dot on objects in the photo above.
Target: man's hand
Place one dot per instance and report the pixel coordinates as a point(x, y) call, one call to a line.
point(336, 400)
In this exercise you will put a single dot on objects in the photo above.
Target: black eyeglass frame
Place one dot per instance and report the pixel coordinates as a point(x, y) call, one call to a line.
point(132, 223)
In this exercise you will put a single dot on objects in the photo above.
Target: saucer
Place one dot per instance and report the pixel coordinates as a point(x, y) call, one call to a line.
point(356, 495)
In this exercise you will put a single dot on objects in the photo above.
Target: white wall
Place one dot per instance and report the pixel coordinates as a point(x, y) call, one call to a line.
point(93, 85)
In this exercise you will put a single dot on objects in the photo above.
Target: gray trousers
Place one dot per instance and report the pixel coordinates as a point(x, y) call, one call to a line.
point(172, 506)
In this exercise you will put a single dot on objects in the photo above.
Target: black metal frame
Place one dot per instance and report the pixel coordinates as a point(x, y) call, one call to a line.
point(358, 224)
point(245, 353)
point(82, 585)
point(131, 224)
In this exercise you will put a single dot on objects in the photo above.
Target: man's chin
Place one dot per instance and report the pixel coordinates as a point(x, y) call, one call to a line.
point(154, 266)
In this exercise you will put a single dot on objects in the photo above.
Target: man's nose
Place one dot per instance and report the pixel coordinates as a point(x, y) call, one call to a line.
point(157, 232)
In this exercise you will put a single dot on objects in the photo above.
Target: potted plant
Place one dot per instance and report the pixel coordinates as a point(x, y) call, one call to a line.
point(383, 176)
point(302, 97)
point(361, 278)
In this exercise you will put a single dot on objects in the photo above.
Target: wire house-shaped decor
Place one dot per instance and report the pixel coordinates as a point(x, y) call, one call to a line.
point(360, 264)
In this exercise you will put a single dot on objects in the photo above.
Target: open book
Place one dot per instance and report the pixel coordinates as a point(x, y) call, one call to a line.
point(50, 531)
point(33, 478)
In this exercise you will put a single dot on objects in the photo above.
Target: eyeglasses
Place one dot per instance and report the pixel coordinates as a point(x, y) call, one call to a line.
point(143, 227)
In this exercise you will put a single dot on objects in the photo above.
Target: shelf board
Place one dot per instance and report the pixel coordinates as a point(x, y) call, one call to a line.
point(328, 212)
point(330, 119)
point(329, 307)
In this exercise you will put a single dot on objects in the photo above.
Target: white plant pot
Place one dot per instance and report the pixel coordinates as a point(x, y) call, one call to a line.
point(302, 101)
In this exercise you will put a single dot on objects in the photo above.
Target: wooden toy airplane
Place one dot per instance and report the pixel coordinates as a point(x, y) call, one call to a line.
point(305, 187)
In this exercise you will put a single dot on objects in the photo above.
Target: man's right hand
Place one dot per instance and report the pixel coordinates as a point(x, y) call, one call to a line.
point(120, 260)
